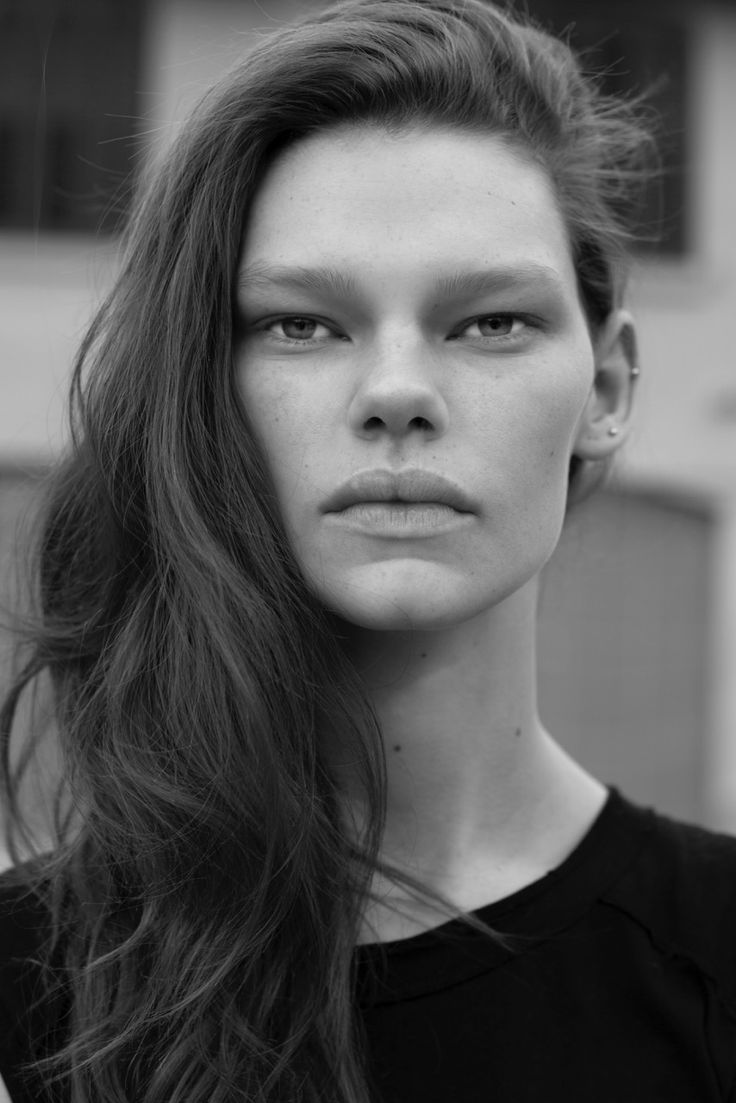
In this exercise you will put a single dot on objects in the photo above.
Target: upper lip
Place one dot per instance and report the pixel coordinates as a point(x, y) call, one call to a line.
point(408, 485)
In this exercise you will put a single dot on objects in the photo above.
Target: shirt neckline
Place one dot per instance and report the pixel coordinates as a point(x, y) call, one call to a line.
point(453, 951)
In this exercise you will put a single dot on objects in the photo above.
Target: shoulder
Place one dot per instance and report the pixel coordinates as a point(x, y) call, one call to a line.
point(24, 917)
point(25, 1011)
point(682, 890)
point(24, 932)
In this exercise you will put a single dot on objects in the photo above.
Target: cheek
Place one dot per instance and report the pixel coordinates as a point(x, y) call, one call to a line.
point(533, 422)
point(563, 403)
point(535, 434)
point(267, 404)
point(286, 423)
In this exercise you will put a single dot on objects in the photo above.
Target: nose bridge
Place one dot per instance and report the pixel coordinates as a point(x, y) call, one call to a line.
point(399, 387)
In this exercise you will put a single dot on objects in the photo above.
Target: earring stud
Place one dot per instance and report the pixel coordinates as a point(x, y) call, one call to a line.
point(613, 431)
point(634, 372)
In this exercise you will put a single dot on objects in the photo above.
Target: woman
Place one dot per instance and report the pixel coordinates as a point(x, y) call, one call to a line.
point(366, 348)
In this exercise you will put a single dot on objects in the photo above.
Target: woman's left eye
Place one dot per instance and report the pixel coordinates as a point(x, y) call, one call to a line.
point(496, 325)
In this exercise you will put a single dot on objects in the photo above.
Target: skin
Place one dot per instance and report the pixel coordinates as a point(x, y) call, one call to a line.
point(393, 372)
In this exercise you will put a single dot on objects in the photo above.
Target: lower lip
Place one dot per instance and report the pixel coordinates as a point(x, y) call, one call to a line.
point(400, 520)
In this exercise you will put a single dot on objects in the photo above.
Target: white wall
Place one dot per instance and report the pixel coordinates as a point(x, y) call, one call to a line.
point(192, 42)
point(47, 288)
point(686, 433)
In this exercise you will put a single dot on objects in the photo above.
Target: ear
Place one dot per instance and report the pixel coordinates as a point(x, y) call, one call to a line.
point(604, 423)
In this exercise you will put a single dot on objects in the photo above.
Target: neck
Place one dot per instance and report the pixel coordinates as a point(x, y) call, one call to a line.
point(480, 798)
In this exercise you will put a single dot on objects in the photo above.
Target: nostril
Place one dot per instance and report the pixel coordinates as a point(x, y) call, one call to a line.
point(398, 424)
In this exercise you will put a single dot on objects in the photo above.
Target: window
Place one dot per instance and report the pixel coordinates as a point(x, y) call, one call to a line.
point(69, 111)
point(640, 45)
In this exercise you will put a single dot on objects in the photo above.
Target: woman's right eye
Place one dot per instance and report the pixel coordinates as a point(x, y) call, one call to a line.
point(296, 329)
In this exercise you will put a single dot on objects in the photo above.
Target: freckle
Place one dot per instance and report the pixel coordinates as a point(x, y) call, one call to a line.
point(397, 747)
point(423, 655)
point(517, 733)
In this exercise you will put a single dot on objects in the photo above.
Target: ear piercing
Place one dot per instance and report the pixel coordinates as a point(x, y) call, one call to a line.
point(613, 429)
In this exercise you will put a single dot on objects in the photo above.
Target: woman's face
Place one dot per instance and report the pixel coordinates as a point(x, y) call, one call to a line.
point(416, 365)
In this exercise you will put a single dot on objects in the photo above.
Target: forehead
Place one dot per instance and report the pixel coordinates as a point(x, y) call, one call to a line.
point(412, 202)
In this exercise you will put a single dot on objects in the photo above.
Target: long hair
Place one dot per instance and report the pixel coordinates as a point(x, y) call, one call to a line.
point(205, 890)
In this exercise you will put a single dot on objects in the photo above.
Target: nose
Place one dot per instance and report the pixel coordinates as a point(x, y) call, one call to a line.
point(398, 394)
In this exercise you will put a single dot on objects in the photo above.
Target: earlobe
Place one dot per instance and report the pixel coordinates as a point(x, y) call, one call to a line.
point(605, 420)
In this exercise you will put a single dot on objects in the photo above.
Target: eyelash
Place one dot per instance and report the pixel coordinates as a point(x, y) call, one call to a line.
point(301, 343)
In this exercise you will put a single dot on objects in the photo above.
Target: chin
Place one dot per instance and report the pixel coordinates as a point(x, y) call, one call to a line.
point(377, 616)
point(406, 609)
point(408, 595)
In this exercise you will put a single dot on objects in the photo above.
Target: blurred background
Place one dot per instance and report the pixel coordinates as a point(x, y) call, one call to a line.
point(638, 610)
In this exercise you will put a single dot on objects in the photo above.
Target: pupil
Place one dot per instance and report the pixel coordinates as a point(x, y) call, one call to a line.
point(301, 327)
point(495, 324)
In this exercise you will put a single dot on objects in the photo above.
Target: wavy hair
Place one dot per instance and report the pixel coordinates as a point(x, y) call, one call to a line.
point(204, 887)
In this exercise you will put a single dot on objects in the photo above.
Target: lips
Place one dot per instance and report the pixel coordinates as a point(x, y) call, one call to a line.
point(408, 485)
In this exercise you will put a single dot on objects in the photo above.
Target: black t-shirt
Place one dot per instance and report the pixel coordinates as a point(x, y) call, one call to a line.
point(625, 991)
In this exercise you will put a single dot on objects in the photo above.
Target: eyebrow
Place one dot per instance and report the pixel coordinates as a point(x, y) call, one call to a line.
point(339, 284)
point(297, 279)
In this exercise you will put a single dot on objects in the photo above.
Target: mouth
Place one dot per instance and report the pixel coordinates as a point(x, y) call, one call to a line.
point(410, 504)
point(406, 493)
